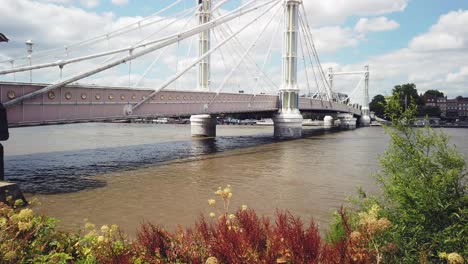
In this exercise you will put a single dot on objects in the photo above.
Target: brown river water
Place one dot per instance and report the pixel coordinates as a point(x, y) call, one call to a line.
point(127, 174)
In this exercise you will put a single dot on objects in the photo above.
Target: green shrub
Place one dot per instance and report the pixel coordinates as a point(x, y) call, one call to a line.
point(423, 180)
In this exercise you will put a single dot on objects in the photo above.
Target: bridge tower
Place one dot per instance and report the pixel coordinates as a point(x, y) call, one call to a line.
point(203, 125)
point(365, 119)
point(288, 122)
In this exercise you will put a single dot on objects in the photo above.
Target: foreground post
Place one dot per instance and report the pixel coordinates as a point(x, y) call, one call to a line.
point(203, 125)
point(288, 122)
point(9, 192)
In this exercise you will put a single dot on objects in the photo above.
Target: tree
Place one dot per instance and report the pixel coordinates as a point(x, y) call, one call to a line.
point(426, 110)
point(407, 93)
point(377, 105)
point(433, 94)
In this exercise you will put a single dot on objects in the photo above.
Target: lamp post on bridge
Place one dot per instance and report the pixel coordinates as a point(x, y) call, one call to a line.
point(288, 122)
point(29, 47)
point(203, 125)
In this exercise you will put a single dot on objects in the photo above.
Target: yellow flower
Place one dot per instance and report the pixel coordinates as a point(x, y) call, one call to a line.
point(3, 221)
point(212, 215)
point(211, 260)
point(227, 190)
point(90, 226)
point(211, 201)
point(25, 214)
point(229, 195)
point(105, 229)
point(231, 216)
point(455, 258)
point(10, 256)
point(100, 239)
point(355, 235)
point(24, 226)
point(244, 207)
point(219, 192)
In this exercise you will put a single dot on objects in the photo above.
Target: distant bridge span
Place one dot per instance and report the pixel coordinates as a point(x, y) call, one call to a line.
point(80, 103)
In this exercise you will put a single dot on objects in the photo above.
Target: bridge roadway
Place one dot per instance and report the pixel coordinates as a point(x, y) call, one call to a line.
point(80, 103)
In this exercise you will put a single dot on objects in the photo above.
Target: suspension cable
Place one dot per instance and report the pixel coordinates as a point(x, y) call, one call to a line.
point(106, 36)
point(177, 76)
point(232, 15)
point(221, 86)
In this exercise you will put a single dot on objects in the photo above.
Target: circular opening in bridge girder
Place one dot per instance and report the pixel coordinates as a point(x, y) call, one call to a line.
point(68, 95)
point(122, 97)
point(98, 97)
point(133, 97)
point(84, 96)
point(111, 97)
point(11, 95)
point(51, 95)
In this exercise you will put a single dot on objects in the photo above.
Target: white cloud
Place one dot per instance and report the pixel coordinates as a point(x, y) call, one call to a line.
point(336, 11)
point(120, 2)
point(375, 24)
point(89, 3)
point(449, 33)
point(458, 77)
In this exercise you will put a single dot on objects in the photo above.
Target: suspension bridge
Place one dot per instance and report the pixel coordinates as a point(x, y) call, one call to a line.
point(227, 39)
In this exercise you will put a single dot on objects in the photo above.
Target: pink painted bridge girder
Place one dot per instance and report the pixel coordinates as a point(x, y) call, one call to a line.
point(77, 103)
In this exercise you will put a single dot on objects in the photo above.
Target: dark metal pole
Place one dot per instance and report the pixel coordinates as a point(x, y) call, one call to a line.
point(2, 168)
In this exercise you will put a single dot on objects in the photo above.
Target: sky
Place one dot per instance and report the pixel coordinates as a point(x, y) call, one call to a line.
point(403, 41)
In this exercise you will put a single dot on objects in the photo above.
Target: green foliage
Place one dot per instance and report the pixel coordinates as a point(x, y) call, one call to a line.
point(377, 105)
point(336, 230)
point(28, 238)
point(433, 93)
point(427, 110)
point(423, 180)
point(406, 94)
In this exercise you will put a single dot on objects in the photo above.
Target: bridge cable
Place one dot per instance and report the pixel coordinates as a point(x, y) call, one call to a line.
point(242, 59)
point(251, 60)
point(203, 57)
point(163, 52)
point(270, 49)
point(84, 42)
point(310, 51)
point(310, 37)
point(231, 15)
point(305, 43)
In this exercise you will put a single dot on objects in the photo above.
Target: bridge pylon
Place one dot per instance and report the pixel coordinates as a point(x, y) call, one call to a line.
point(203, 125)
point(365, 119)
point(288, 122)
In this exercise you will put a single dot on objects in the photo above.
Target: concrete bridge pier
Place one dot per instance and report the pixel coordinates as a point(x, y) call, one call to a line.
point(347, 121)
point(365, 121)
point(328, 121)
point(203, 126)
point(288, 125)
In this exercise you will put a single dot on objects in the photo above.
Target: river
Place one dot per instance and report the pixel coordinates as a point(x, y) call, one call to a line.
point(127, 174)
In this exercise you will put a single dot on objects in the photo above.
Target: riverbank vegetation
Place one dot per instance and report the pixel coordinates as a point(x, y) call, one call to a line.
point(420, 217)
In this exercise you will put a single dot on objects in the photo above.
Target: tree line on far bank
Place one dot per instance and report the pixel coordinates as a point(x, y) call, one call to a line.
point(408, 94)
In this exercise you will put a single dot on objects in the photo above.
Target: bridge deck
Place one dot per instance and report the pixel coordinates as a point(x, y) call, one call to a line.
point(78, 103)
